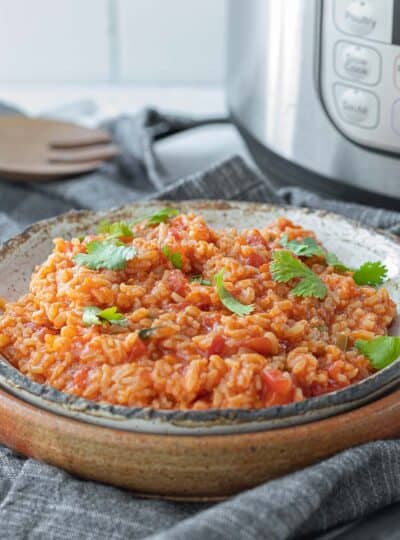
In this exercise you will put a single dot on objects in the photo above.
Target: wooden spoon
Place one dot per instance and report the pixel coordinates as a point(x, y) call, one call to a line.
point(35, 150)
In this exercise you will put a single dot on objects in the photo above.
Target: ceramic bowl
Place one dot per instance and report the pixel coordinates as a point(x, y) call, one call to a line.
point(194, 454)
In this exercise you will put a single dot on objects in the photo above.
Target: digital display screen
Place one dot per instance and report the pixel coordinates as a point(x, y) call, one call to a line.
point(396, 22)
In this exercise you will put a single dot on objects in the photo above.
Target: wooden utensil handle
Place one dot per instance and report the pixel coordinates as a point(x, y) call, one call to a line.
point(97, 152)
point(78, 141)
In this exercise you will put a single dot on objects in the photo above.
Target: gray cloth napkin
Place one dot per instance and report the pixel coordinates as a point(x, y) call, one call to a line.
point(38, 501)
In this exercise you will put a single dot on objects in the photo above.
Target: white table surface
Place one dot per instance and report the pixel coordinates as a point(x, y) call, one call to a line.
point(181, 154)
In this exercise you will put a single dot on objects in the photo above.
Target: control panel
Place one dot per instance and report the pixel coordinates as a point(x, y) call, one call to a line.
point(360, 70)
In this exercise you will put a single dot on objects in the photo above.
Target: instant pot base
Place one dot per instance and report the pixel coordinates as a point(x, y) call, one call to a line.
point(283, 173)
point(190, 468)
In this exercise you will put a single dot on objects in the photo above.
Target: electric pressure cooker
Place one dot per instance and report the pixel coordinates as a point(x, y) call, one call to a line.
point(314, 87)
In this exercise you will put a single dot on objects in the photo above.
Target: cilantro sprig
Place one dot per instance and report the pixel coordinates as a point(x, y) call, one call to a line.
point(161, 216)
point(105, 255)
point(119, 229)
point(336, 263)
point(303, 248)
point(285, 267)
point(381, 351)
point(308, 247)
point(93, 315)
point(228, 300)
point(370, 273)
point(174, 257)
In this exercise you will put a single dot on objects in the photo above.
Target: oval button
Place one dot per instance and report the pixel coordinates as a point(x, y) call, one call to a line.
point(357, 63)
point(360, 17)
point(367, 19)
point(357, 106)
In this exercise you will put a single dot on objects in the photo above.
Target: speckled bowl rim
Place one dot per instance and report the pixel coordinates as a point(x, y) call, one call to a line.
point(184, 422)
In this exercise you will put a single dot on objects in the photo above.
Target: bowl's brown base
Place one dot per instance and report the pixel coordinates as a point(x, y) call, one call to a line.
point(190, 468)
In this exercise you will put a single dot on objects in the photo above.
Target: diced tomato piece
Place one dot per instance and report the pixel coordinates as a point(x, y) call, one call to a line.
point(177, 282)
point(139, 349)
point(262, 345)
point(254, 259)
point(217, 345)
point(210, 320)
point(173, 231)
point(278, 387)
point(204, 306)
point(277, 381)
point(80, 377)
point(178, 223)
point(255, 238)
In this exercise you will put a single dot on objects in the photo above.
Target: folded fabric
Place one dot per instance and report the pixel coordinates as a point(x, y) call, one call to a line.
point(38, 501)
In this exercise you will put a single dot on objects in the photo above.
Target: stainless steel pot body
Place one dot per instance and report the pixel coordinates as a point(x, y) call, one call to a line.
point(285, 60)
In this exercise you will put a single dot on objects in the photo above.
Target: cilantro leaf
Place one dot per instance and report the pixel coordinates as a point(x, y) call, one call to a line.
point(332, 260)
point(380, 351)
point(106, 254)
point(145, 333)
point(371, 273)
point(93, 315)
point(200, 280)
point(112, 316)
point(308, 248)
point(161, 216)
point(227, 299)
point(285, 266)
point(115, 230)
point(310, 286)
point(174, 258)
point(304, 248)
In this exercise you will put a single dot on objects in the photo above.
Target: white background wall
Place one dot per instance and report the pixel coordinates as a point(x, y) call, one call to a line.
point(139, 41)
